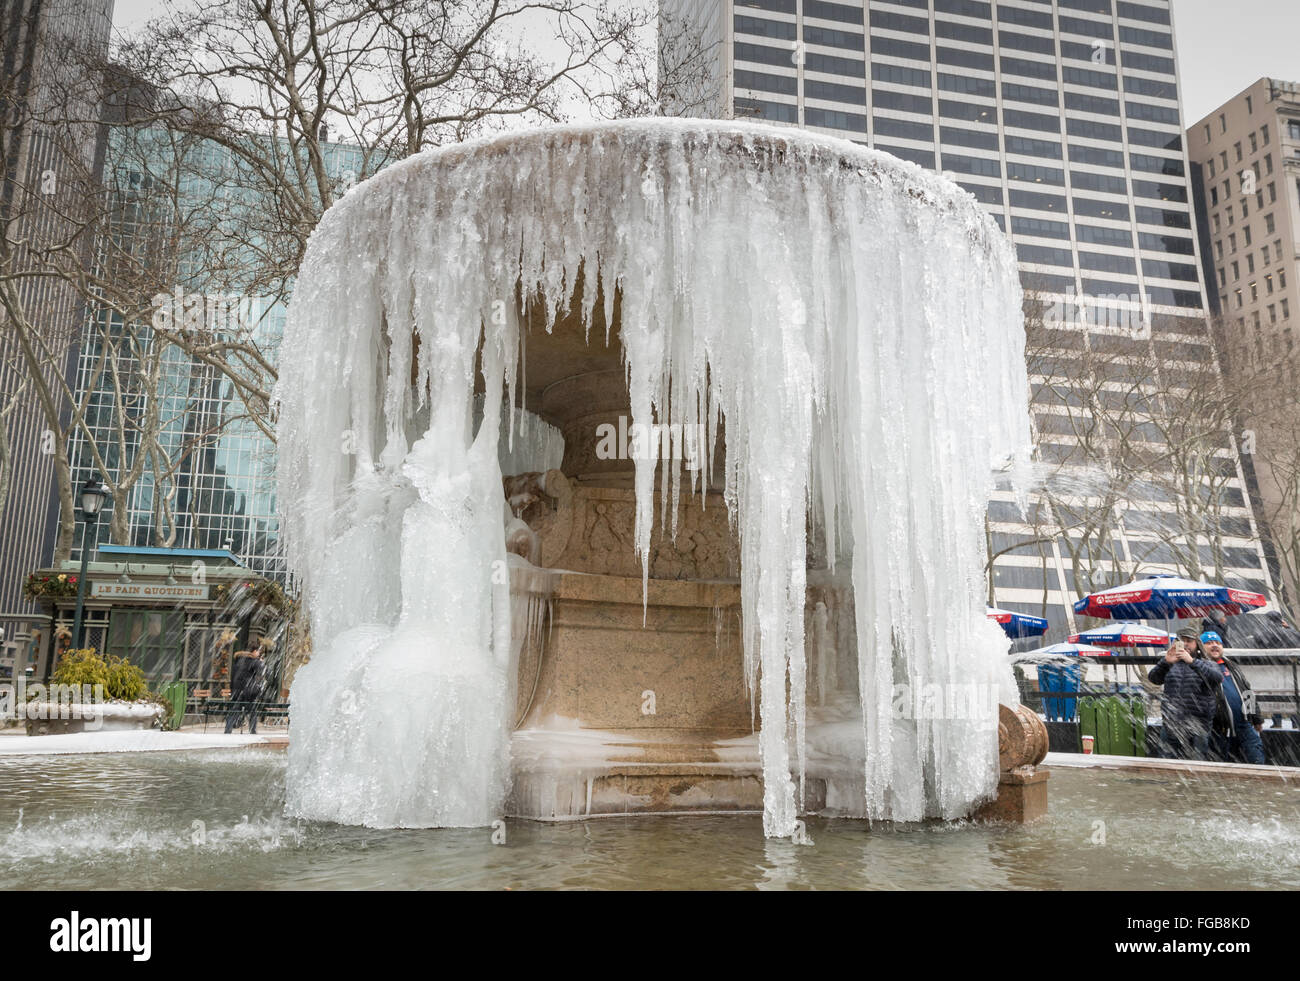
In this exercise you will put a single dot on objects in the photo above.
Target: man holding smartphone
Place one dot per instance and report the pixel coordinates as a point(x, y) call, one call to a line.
point(1191, 684)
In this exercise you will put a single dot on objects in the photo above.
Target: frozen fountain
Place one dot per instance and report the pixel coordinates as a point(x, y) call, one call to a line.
point(748, 388)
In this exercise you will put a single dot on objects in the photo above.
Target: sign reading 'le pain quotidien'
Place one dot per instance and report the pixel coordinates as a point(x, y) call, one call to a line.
point(148, 591)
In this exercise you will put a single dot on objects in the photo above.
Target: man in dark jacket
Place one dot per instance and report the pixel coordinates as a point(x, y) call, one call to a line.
point(1237, 722)
point(245, 689)
point(1191, 686)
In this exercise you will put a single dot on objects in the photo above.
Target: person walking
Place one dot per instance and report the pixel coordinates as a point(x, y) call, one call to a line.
point(1237, 722)
point(1191, 683)
point(245, 689)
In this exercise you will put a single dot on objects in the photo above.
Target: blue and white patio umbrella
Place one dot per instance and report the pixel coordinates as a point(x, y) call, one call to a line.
point(1065, 650)
point(1018, 624)
point(1166, 597)
point(1123, 635)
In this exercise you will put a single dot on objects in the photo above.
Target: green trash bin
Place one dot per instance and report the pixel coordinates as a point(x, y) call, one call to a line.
point(174, 694)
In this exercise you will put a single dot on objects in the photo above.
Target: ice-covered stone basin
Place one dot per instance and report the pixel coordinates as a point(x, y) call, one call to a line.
point(854, 321)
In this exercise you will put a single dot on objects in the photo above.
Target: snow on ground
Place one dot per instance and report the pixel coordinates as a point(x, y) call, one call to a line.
point(134, 741)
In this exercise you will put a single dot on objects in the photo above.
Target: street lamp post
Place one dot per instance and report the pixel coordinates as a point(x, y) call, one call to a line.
point(93, 495)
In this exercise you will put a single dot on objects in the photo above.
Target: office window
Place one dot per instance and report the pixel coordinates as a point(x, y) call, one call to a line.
point(1097, 235)
point(778, 111)
point(1272, 193)
point(967, 8)
point(1040, 227)
point(1264, 135)
point(1110, 210)
point(1268, 164)
point(828, 65)
point(1268, 283)
point(1264, 255)
point(1286, 308)
point(782, 30)
point(1039, 202)
point(1088, 180)
point(763, 82)
point(763, 54)
point(1045, 255)
point(1027, 18)
point(906, 129)
point(832, 11)
point(1250, 262)
point(1272, 312)
point(1031, 120)
point(1232, 242)
point(832, 38)
point(1033, 174)
point(898, 74)
point(1029, 69)
point(1162, 216)
point(1223, 123)
point(884, 99)
point(1012, 92)
point(1236, 272)
point(831, 92)
point(1152, 113)
point(835, 119)
point(1161, 269)
point(1163, 192)
point(1137, 11)
point(1223, 278)
point(1281, 279)
point(965, 59)
point(1254, 143)
point(1269, 224)
point(1086, 76)
point(966, 137)
point(1157, 165)
point(1249, 237)
point(984, 166)
point(1207, 140)
point(1218, 250)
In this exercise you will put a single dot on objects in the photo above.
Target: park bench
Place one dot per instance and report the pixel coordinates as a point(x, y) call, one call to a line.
point(224, 706)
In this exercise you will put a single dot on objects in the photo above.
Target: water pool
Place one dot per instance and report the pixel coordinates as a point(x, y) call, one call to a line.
point(213, 820)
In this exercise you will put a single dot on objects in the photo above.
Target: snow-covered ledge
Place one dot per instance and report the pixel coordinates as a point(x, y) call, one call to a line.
point(54, 718)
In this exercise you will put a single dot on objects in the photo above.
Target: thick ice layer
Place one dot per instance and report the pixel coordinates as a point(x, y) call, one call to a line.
point(855, 322)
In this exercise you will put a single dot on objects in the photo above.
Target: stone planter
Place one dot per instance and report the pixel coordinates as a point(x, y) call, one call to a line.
point(55, 718)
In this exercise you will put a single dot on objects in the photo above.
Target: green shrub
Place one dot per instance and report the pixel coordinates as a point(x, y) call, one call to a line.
point(121, 679)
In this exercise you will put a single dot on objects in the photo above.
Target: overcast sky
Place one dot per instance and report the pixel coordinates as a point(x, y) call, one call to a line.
point(1223, 45)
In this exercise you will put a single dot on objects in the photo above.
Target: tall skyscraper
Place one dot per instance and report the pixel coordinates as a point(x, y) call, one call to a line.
point(1247, 154)
point(1246, 168)
point(44, 44)
point(1063, 118)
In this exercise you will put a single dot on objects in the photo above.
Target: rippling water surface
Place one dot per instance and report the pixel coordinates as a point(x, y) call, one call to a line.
point(214, 820)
